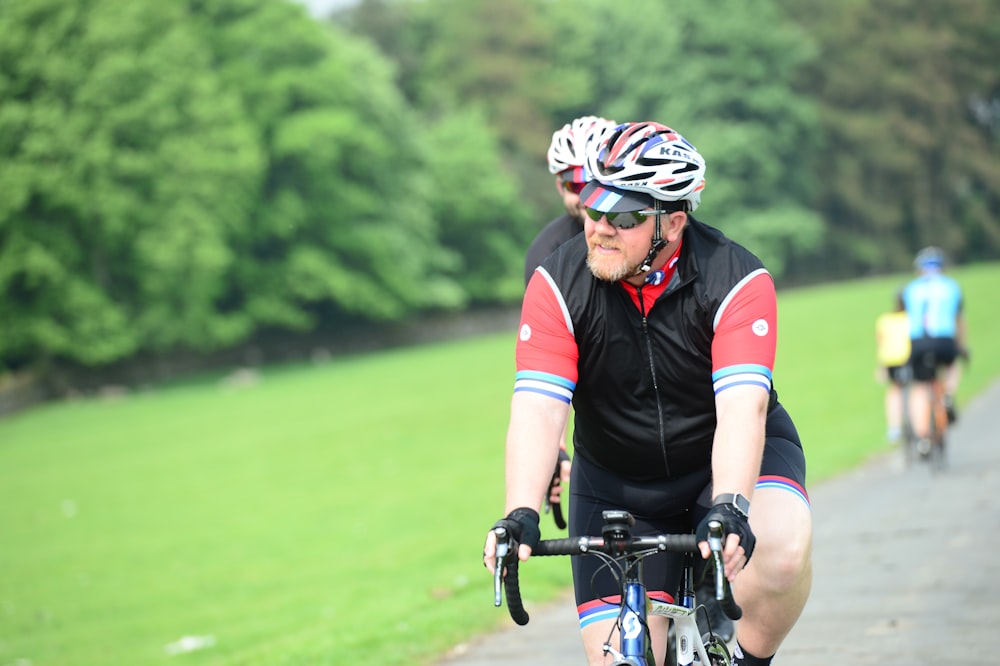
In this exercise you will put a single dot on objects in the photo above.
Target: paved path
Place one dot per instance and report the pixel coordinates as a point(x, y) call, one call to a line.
point(907, 568)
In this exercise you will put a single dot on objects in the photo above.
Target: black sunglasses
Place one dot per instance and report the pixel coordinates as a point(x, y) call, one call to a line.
point(633, 218)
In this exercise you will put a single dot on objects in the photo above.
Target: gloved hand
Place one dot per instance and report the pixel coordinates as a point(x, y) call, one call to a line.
point(522, 525)
point(733, 521)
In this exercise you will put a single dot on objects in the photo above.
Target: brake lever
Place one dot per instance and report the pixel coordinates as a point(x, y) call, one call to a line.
point(715, 545)
point(723, 592)
point(503, 548)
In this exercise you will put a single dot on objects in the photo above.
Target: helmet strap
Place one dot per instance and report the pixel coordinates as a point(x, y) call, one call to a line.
point(659, 242)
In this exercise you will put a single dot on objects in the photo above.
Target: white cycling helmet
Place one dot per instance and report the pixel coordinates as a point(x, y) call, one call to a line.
point(636, 161)
point(568, 147)
point(929, 258)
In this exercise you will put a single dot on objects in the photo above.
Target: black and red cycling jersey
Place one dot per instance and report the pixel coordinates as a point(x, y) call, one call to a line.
point(555, 233)
point(642, 365)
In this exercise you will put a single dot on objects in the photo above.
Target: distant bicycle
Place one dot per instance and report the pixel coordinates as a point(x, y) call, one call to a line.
point(932, 448)
point(624, 553)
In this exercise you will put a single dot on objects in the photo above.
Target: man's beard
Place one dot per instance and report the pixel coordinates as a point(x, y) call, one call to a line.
point(611, 269)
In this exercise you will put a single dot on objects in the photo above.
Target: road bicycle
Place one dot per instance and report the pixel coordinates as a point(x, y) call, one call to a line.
point(931, 449)
point(624, 552)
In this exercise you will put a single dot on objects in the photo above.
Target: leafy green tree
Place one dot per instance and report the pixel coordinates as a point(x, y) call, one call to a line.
point(482, 218)
point(123, 165)
point(342, 227)
point(473, 77)
point(178, 176)
point(490, 52)
point(723, 76)
point(486, 57)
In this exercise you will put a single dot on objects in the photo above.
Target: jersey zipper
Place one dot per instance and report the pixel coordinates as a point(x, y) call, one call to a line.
point(652, 372)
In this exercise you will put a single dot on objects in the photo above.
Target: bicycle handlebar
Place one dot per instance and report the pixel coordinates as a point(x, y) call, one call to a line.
point(678, 543)
point(634, 545)
point(557, 514)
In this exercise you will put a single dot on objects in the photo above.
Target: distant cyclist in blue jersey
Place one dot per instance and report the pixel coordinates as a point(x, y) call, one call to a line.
point(937, 331)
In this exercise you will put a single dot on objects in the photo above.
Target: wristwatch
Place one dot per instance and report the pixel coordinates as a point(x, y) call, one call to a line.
point(741, 503)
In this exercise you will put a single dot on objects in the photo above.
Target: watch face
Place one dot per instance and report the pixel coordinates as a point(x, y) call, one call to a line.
point(736, 499)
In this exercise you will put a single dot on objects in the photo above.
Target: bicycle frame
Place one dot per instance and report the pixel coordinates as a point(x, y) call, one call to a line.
point(636, 649)
point(636, 607)
point(689, 641)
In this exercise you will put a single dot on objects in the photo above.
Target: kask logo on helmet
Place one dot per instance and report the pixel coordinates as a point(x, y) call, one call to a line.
point(668, 151)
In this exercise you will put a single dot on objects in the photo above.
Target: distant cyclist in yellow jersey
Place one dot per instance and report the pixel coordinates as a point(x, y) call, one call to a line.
point(892, 351)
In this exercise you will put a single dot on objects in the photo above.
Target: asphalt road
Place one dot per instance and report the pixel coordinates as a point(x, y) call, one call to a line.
point(906, 568)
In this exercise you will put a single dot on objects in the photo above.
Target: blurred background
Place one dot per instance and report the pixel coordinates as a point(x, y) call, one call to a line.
point(207, 182)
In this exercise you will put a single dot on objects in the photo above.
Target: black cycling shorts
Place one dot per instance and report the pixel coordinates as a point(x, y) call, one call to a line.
point(676, 505)
point(929, 354)
point(897, 375)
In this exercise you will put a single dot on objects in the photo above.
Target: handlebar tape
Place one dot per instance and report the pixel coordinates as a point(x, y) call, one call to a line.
point(729, 605)
point(514, 605)
point(557, 515)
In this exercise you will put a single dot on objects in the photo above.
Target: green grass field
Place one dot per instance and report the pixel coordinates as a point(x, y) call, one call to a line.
point(335, 514)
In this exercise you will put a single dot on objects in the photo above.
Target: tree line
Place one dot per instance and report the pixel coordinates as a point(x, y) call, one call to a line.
point(188, 176)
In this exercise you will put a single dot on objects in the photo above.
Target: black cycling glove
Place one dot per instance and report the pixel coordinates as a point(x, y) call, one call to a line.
point(522, 525)
point(733, 521)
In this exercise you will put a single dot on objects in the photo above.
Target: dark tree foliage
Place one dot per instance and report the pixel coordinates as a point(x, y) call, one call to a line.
point(491, 58)
point(909, 93)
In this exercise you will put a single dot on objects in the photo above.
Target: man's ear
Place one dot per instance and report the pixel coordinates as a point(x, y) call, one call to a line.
point(674, 227)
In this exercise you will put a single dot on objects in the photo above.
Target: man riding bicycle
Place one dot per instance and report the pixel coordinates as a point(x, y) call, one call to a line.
point(937, 334)
point(566, 158)
point(661, 332)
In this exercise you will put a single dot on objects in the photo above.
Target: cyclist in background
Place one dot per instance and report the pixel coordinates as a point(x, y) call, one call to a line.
point(566, 161)
point(937, 333)
point(892, 351)
point(565, 158)
point(662, 334)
